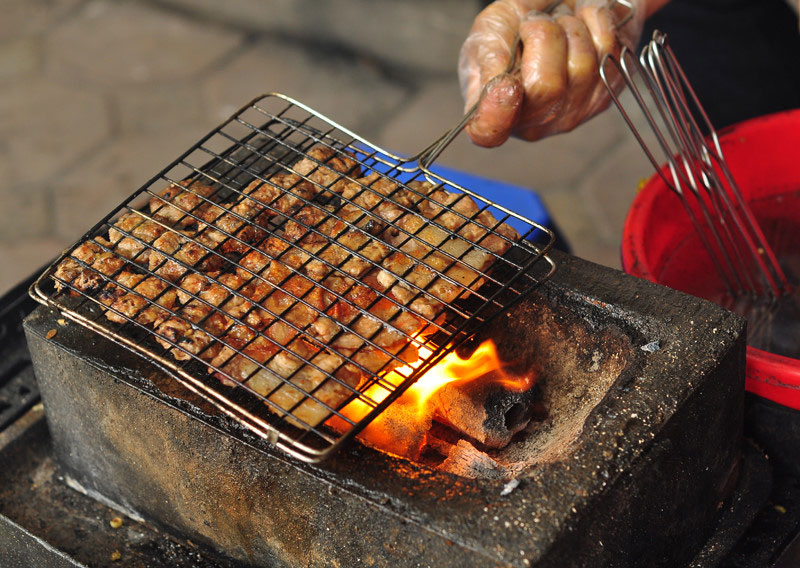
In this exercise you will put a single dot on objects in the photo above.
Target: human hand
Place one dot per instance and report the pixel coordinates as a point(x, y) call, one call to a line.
point(556, 85)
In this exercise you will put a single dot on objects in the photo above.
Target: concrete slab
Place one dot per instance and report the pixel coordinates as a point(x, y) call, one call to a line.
point(25, 211)
point(159, 108)
point(415, 35)
point(23, 18)
point(22, 257)
point(351, 91)
point(45, 127)
point(19, 57)
point(121, 43)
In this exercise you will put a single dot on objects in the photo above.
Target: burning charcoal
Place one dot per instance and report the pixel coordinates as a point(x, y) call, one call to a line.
point(401, 429)
point(489, 410)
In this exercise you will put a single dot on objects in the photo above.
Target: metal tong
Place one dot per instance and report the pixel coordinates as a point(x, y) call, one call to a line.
point(698, 172)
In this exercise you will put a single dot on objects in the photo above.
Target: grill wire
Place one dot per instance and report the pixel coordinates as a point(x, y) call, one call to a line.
point(265, 141)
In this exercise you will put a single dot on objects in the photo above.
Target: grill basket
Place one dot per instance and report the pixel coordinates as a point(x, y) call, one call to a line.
point(171, 275)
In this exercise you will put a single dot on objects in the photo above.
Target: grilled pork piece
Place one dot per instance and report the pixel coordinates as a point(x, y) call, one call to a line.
point(446, 249)
point(142, 231)
point(323, 169)
point(199, 320)
point(174, 204)
point(88, 277)
point(148, 302)
point(173, 252)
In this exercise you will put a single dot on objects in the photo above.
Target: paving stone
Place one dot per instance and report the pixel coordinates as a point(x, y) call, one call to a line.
point(44, 127)
point(25, 212)
point(419, 35)
point(19, 58)
point(158, 107)
point(24, 258)
point(92, 190)
point(352, 92)
point(123, 43)
point(427, 114)
point(23, 18)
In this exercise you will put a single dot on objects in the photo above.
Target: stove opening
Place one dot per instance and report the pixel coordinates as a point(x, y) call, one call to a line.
point(520, 398)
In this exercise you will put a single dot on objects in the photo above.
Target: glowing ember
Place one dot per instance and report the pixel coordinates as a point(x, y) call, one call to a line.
point(401, 428)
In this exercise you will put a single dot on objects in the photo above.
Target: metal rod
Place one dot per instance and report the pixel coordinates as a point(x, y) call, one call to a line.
point(738, 249)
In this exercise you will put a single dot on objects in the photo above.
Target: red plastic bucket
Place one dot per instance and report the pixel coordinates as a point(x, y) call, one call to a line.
point(659, 243)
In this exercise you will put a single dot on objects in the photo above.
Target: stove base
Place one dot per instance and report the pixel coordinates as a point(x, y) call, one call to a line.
point(44, 523)
point(637, 468)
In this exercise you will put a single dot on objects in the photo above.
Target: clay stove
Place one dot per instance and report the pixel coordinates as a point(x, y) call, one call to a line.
point(643, 388)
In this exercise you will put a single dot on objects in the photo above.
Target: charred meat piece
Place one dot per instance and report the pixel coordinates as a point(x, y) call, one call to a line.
point(339, 242)
point(199, 320)
point(87, 275)
point(173, 252)
point(284, 192)
point(446, 249)
point(327, 167)
point(288, 366)
point(295, 378)
point(235, 227)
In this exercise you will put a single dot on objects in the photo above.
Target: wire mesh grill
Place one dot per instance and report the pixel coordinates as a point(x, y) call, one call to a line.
point(283, 268)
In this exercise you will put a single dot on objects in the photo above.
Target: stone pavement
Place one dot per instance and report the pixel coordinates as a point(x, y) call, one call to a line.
point(96, 96)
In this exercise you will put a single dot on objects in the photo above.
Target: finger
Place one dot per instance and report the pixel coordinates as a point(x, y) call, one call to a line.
point(582, 73)
point(497, 112)
point(544, 72)
point(487, 50)
point(601, 23)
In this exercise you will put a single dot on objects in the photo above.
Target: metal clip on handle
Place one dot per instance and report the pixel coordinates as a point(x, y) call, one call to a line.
point(699, 174)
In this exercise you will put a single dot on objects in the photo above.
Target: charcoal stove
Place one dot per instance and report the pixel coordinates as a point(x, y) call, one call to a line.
point(611, 473)
point(630, 461)
point(44, 522)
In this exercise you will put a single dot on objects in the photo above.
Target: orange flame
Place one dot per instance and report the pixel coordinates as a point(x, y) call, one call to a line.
point(408, 418)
